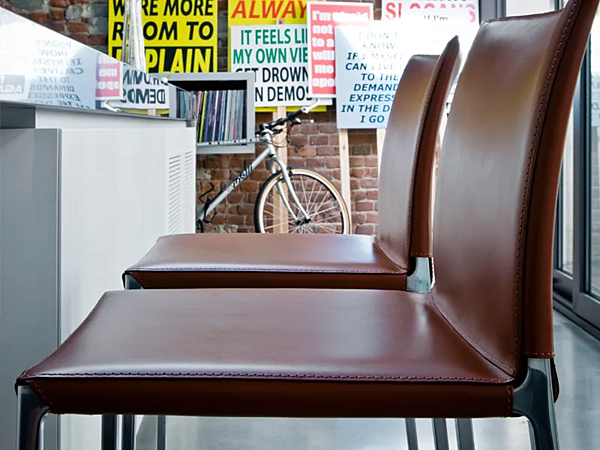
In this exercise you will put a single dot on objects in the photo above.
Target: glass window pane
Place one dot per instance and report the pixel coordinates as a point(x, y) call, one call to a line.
point(566, 265)
point(520, 7)
point(594, 189)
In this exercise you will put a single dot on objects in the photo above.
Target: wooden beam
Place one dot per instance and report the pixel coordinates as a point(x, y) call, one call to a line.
point(345, 168)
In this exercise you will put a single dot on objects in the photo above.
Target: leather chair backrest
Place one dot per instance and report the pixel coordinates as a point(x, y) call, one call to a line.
point(407, 164)
point(498, 182)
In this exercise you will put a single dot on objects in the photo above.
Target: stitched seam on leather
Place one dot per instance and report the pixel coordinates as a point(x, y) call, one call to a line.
point(531, 162)
point(429, 255)
point(267, 375)
point(525, 18)
point(473, 342)
point(430, 91)
point(253, 269)
point(27, 372)
point(41, 394)
point(388, 256)
point(508, 409)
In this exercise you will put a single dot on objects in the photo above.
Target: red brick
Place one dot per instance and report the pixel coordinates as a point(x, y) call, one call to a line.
point(307, 152)
point(334, 139)
point(234, 219)
point(372, 217)
point(250, 186)
point(360, 172)
point(372, 195)
point(327, 151)
point(359, 218)
point(59, 3)
point(296, 161)
point(365, 229)
point(83, 38)
point(369, 183)
point(79, 2)
point(77, 27)
point(308, 128)
point(365, 206)
point(57, 14)
point(220, 174)
point(98, 39)
point(40, 17)
point(59, 27)
point(245, 209)
point(318, 140)
point(354, 184)
point(260, 175)
point(218, 219)
point(333, 163)
point(328, 128)
point(315, 163)
point(232, 210)
point(371, 161)
point(299, 140)
point(236, 197)
point(336, 176)
point(357, 161)
point(359, 195)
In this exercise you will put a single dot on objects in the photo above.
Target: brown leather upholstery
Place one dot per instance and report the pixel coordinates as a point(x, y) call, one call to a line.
point(262, 260)
point(497, 183)
point(282, 353)
point(407, 175)
point(454, 352)
point(332, 261)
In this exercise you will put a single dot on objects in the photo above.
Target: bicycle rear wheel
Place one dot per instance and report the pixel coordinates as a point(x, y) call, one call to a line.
point(327, 211)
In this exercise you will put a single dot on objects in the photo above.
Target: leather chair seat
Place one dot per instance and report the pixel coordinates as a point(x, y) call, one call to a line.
point(267, 261)
point(268, 353)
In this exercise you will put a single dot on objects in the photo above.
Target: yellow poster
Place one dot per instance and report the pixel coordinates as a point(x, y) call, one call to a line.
point(180, 35)
point(266, 12)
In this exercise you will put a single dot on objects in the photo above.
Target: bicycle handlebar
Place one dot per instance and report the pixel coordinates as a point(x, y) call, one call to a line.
point(290, 117)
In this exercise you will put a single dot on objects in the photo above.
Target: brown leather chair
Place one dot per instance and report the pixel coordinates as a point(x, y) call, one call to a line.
point(480, 344)
point(334, 261)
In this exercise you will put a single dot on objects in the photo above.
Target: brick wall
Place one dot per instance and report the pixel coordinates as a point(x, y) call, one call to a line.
point(313, 145)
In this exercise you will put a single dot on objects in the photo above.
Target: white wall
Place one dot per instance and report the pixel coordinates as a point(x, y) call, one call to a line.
point(520, 7)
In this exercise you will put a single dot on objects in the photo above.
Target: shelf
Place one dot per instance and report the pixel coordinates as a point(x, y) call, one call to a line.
point(221, 81)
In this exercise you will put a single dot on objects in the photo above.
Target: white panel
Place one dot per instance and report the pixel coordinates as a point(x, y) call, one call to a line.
point(522, 7)
point(113, 208)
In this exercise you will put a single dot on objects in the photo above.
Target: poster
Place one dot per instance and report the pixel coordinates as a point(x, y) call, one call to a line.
point(143, 91)
point(266, 12)
point(109, 74)
point(369, 63)
point(436, 10)
point(322, 18)
point(180, 35)
point(278, 56)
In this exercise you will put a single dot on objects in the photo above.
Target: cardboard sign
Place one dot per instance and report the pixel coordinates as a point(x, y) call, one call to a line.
point(322, 18)
point(436, 10)
point(278, 56)
point(180, 35)
point(266, 12)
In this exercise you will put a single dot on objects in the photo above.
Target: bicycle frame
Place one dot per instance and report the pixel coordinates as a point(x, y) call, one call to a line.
point(274, 161)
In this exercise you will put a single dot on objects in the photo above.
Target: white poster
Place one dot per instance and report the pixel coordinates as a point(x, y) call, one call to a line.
point(434, 10)
point(278, 56)
point(369, 63)
point(142, 91)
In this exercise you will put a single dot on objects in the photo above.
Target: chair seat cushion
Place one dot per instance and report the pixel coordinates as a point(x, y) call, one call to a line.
point(270, 353)
point(267, 261)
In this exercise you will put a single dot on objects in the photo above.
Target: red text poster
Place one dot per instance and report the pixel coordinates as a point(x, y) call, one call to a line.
point(108, 78)
point(434, 10)
point(322, 18)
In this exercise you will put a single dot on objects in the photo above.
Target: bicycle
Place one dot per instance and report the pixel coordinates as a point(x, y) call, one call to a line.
point(306, 200)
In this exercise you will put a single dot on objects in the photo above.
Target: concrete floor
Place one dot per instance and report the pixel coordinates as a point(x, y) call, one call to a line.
point(578, 408)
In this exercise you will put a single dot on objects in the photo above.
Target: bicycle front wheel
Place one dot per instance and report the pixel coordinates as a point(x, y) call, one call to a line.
point(276, 210)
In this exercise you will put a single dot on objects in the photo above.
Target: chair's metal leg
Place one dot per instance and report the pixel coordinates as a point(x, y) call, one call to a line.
point(411, 434)
point(464, 434)
point(30, 415)
point(420, 279)
point(128, 433)
point(109, 432)
point(534, 399)
point(440, 434)
point(161, 433)
point(130, 283)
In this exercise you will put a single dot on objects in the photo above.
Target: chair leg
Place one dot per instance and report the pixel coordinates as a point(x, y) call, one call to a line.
point(534, 399)
point(30, 415)
point(109, 432)
point(128, 433)
point(440, 434)
point(161, 433)
point(411, 434)
point(464, 434)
